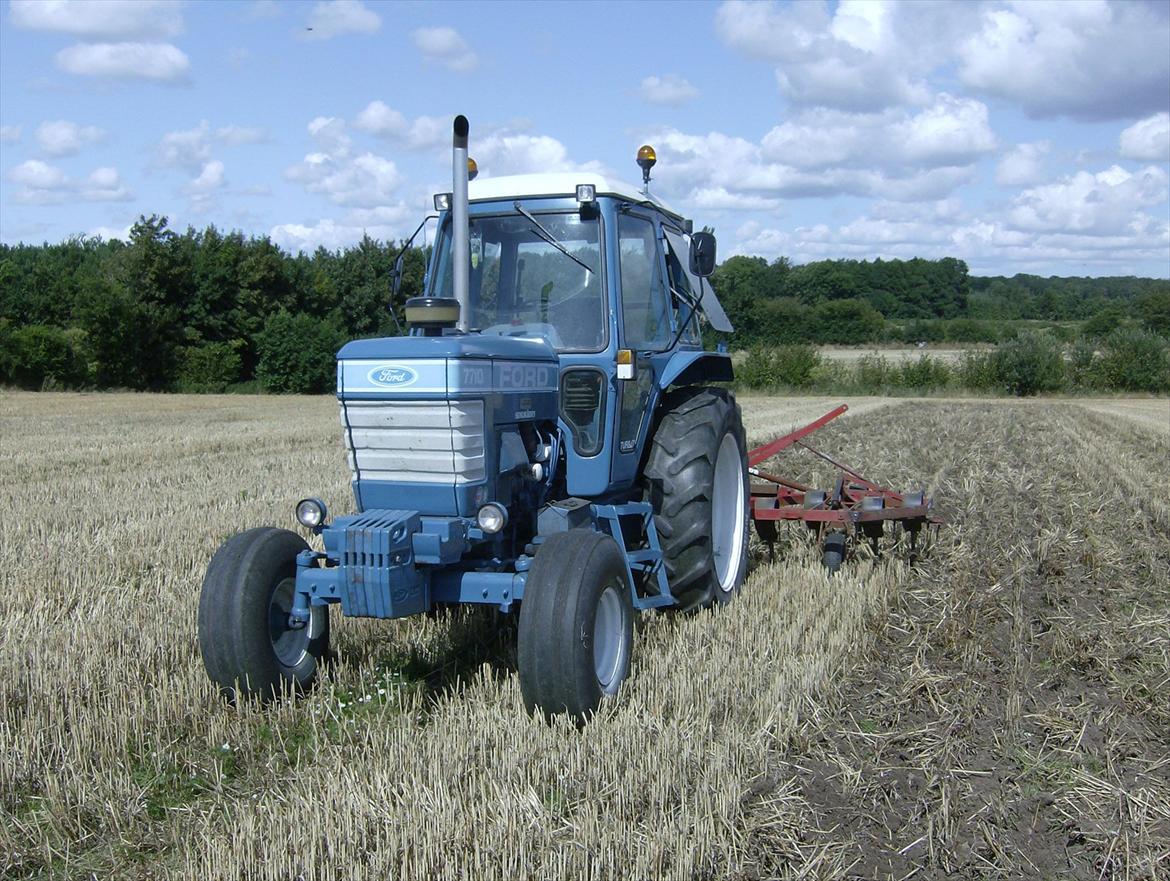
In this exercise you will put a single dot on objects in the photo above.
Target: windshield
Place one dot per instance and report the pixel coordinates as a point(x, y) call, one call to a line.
point(520, 284)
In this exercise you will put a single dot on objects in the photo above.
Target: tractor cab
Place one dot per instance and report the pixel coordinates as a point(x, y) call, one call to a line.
point(604, 274)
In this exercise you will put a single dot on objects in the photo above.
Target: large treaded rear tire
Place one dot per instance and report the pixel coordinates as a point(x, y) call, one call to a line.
point(680, 485)
point(576, 625)
point(248, 650)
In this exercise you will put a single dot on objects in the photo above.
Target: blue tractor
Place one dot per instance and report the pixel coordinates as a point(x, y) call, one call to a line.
point(547, 439)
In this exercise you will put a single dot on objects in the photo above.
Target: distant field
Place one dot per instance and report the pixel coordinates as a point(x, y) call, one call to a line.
point(895, 355)
point(997, 710)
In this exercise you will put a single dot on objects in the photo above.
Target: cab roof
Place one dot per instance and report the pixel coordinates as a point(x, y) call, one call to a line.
point(560, 183)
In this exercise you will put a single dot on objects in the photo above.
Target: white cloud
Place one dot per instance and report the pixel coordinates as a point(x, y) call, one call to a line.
point(237, 135)
point(1090, 60)
point(949, 132)
point(108, 19)
point(1023, 165)
point(152, 61)
point(988, 243)
point(445, 46)
point(1148, 140)
point(44, 184)
point(364, 181)
point(210, 178)
point(62, 138)
point(203, 191)
point(1106, 203)
point(864, 56)
point(670, 89)
point(9, 134)
point(385, 223)
point(37, 175)
point(189, 148)
point(337, 17)
point(507, 152)
point(383, 121)
point(109, 233)
point(328, 133)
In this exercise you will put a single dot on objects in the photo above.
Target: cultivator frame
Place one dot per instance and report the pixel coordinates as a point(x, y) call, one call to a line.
point(854, 505)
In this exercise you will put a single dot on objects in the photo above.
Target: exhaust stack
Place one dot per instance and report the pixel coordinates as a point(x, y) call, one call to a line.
point(460, 240)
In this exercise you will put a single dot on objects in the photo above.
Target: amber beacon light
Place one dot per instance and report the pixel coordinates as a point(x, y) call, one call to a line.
point(646, 159)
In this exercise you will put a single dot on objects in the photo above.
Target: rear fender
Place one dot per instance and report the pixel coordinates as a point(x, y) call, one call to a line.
point(693, 368)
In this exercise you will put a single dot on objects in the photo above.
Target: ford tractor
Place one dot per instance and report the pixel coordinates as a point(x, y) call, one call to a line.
point(547, 440)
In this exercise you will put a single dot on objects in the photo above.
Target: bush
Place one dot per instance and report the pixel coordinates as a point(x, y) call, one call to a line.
point(792, 366)
point(1082, 366)
point(976, 371)
point(1029, 364)
point(871, 373)
point(1102, 323)
point(923, 374)
point(40, 356)
point(1135, 360)
point(969, 330)
point(209, 368)
point(922, 331)
point(297, 354)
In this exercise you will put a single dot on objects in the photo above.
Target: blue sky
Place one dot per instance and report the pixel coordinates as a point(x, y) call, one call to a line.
point(1020, 137)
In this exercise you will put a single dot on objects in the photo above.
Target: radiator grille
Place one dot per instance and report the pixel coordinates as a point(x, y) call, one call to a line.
point(439, 442)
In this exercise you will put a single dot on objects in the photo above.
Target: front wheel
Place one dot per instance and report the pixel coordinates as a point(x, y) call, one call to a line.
point(248, 648)
point(576, 625)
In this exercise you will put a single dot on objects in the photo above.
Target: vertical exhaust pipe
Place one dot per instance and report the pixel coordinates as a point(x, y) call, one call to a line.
point(460, 238)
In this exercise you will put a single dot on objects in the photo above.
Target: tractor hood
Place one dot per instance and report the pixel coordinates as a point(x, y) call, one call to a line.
point(442, 365)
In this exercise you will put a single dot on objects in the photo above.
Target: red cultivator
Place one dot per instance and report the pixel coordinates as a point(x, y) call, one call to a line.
point(854, 505)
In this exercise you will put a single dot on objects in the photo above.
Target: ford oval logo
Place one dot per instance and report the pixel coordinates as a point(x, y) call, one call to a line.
point(392, 376)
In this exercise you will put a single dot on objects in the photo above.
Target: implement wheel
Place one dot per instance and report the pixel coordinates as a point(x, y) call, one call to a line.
point(696, 479)
point(576, 625)
point(247, 646)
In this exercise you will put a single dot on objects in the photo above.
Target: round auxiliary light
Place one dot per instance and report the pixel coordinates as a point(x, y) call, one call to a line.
point(646, 156)
point(492, 517)
point(311, 513)
point(472, 168)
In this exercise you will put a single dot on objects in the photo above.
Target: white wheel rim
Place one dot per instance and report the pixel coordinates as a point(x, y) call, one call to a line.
point(610, 646)
point(290, 646)
point(728, 510)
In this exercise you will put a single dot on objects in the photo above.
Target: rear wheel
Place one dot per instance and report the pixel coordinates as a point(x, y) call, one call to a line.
point(576, 625)
point(247, 645)
point(696, 476)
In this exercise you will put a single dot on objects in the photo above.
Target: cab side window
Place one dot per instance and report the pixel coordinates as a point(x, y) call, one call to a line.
point(645, 307)
point(682, 292)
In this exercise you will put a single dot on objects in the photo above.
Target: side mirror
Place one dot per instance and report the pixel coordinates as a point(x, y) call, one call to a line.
point(396, 275)
point(702, 254)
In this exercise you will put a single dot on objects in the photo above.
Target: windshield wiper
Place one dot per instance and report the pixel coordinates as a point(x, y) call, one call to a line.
point(551, 239)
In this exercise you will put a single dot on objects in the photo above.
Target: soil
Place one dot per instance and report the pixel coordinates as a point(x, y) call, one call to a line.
point(1011, 718)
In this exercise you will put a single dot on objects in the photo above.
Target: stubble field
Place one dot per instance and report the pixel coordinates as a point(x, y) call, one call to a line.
point(998, 709)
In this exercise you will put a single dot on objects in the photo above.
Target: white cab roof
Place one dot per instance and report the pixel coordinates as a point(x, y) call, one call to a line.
point(561, 183)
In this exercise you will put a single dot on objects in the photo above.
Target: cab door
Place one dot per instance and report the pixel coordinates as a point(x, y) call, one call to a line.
point(646, 325)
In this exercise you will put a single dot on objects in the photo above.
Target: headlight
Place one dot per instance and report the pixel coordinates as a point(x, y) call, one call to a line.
point(492, 517)
point(311, 513)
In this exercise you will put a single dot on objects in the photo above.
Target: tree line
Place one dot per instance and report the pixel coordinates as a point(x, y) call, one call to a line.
point(205, 310)
point(862, 301)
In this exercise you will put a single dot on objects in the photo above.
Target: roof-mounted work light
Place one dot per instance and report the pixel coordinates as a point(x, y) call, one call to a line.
point(586, 194)
point(442, 201)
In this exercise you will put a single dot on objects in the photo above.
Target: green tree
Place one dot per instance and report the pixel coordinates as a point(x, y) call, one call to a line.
point(297, 354)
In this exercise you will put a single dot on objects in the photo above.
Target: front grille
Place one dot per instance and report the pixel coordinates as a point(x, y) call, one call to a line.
point(438, 442)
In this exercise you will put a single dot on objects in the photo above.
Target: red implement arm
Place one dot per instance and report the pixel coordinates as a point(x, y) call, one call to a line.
point(767, 451)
